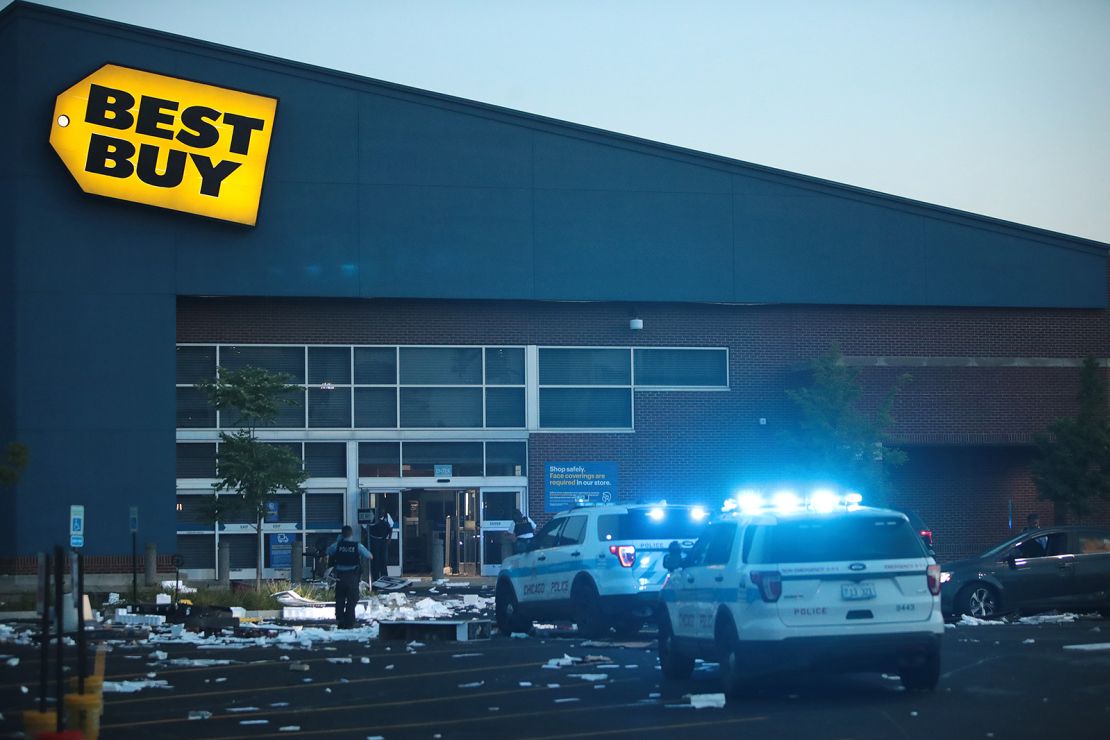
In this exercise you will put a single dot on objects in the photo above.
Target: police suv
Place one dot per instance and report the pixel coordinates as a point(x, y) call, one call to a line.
point(823, 585)
point(601, 566)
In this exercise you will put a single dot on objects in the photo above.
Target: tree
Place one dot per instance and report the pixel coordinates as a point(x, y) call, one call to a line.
point(14, 462)
point(253, 470)
point(836, 437)
point(1073, 459)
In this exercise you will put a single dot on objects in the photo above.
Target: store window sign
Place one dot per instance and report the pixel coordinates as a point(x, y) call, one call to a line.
point(166, 142)
point(568, 484)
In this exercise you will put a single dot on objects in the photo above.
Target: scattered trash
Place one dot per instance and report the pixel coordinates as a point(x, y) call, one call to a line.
point(562, 662)
point(707, 701)
point(298, 667)
point(415, 644)
point(1030, 641)
point(472, 685)
point(553, 686)
point(567, 699)
point(199, 714)
point(159, 655)
point(467, 655)
point(519, 635)
point(168, 586)
point(525, 684)
point(279, 704)
point(113, 598)
point(341, 660)
point(1090, 647)
point(913, 713)
point(591, 676)
point(290, 728)
point(254, 721)
point(242, 709)
point(130, 687)
point(969, 621)
point(12, 662)
point(1049, 619)
point(389, 667)
point(364, 660)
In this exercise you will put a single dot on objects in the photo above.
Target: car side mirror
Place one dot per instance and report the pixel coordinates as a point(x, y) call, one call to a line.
point(674, 559)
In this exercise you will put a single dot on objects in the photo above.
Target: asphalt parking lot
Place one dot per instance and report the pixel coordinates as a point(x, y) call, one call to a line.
point(1000, 681)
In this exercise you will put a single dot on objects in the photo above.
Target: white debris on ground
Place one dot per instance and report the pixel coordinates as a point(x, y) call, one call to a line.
point(707, 701)
point(1049, 619)
point(591, 676)
point(969, 621)
point(1090, 647)
point(130, 687)
point(169, 586)
point(199, 662)
point(394, 607)
point(562, 662)
point(1028, 641)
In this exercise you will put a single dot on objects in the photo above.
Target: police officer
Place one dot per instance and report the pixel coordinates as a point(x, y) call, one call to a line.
point(380, 532)
point(348, 553)
point(524, 530)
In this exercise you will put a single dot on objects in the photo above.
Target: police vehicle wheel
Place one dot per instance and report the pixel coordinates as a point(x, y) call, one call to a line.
point(922, 673)
point(728, 651)
point(674, 664)
point(507, 613)
point(979, 600)
point(586, 608)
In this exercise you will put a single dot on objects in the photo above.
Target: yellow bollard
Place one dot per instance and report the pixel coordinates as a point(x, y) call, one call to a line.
point(36, 723)
point(83, 711)
point(93, 685)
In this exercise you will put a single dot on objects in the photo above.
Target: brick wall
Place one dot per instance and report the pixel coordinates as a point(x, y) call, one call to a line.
point(696, 446)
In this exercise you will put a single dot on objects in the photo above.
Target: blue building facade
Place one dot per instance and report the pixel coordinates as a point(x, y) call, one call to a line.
point(379, 192)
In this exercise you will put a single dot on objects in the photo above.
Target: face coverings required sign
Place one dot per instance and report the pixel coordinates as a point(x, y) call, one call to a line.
point(166, 142)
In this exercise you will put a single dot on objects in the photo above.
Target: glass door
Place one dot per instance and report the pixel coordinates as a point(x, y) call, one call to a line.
point(390, 501)
point(497, 523)
point(467, 533)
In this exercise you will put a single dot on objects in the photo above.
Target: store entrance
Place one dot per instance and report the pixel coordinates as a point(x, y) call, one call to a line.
point(440, 532)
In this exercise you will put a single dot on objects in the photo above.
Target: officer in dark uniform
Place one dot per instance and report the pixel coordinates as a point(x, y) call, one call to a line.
point(380, 532)
point(524, 529)
point(349, 554)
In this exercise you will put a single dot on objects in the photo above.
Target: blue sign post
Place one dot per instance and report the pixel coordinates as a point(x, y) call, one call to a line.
point(281, 550)
point(567, 484)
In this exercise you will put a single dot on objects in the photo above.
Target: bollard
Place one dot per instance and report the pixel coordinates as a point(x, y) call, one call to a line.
point(150, 563)
point(223, 564)
point(298, 560)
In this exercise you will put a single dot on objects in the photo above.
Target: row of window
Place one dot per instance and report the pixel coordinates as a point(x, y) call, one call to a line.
point(447, 387)
point(377, 459)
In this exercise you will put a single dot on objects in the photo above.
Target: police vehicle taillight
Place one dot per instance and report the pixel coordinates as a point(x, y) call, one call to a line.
point(933, 574)
point(769, 582)
point(626, 554)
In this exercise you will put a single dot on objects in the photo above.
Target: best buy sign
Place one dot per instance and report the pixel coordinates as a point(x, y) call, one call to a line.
point(167, 142)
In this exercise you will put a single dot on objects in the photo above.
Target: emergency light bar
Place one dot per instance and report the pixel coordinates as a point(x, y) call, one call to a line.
point(785, 500)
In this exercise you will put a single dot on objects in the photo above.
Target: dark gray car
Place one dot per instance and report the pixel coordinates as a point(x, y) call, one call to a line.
point(1038, 570)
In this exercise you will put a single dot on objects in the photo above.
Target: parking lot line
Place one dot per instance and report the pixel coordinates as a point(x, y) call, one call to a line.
point(363, 706)
point(381, 729)
point(641, 729)
point(319, 684)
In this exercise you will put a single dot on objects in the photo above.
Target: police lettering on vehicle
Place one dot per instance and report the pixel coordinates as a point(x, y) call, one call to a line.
point(167, 142)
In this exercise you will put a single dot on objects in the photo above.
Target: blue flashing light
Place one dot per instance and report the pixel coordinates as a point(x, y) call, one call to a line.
point(698, 513)
point(656, 514)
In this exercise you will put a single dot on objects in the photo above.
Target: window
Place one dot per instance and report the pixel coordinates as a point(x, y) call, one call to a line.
point(506, 458)
point(197, 551)
point(574, 533)
point(822, 540)
point(559, 366)
point(379, 459)
point(193, 409)
point(677, 368)
point(719, 545)
point(425, 408)
point(375, 365)
point(323, 511)
point(375, 408)
point(329, 365)
point(583, 408)
point(1094, 543)
point(441, 366)
point(286, 360)
point(196, 459)
point(325, 459)
point(420, 458)
point(193, 513)
point(637, 524)
point(548, 534)
point(196, 364)
point(505, 408)
point(504, 366)
point(329, 409)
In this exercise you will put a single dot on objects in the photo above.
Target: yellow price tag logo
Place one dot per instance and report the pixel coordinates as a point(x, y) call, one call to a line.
point(166, 142)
